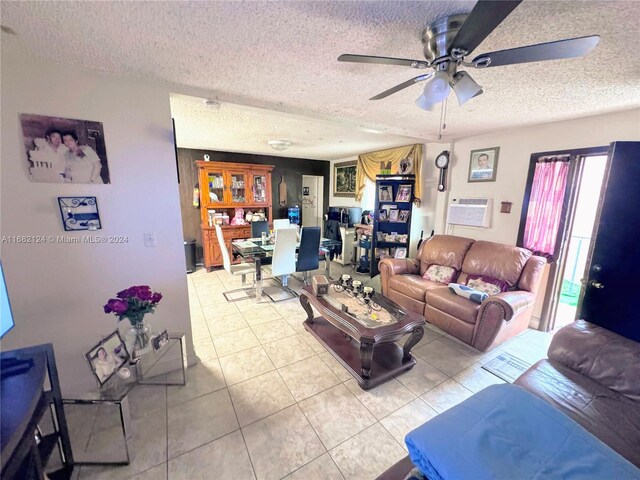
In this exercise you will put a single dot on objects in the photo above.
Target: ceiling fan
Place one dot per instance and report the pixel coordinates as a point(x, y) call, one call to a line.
point(448, 40)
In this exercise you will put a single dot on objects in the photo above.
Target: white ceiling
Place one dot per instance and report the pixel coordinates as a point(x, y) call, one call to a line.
point(281, 56)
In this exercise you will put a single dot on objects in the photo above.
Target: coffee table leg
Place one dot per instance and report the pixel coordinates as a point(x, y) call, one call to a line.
point(366, 354)
point(415, 337)
point(307, 308)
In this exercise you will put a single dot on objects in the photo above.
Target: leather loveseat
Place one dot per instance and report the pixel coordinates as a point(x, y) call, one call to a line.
point(593, 376)
point(483, 326)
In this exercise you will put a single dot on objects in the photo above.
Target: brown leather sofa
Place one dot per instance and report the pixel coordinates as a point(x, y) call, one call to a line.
point(591, 375)
point(482, 326)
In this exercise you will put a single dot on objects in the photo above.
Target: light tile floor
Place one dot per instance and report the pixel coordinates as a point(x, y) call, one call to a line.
point(267, 401)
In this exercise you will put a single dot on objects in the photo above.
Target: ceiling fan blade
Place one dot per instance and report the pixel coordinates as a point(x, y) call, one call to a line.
point(403, 85)
point(483, 19)
point(568, 48)
point(405, 62)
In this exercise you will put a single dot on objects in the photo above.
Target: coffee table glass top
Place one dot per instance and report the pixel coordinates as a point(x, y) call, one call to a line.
point(359, 311)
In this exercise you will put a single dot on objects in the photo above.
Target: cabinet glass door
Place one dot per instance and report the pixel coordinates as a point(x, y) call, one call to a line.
point(259, 188)
point(237, 187)
point(216, 187)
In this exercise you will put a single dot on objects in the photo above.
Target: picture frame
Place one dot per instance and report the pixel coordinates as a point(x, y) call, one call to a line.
point(483, 165)
point(107, 357)
point(401, 252)
point(385, 193)
point(383, 216)
point(405, 167)
point(64, 150)
point(160, 341)
point(393, 215)
point(344, 179)
point(403, 217)
point(79, 213)
point(404, 193)
point(380, 236)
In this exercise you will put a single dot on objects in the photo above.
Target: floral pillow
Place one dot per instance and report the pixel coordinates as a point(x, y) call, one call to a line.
point(440, 273)
point(490, 286)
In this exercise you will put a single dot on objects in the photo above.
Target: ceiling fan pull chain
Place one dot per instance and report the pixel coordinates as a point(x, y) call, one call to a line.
point(443, 118)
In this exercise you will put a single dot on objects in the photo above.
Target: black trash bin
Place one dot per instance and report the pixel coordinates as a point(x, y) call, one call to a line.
point(190, 255)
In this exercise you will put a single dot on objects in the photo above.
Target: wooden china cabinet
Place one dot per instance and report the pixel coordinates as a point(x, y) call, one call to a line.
point(224, 187)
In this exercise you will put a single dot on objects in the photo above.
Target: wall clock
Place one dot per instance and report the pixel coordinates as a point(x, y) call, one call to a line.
point(442, 162)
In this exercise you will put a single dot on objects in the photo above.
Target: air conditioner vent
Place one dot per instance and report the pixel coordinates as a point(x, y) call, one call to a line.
point(470, 212)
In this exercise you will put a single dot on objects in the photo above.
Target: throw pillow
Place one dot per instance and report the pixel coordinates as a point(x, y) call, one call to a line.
point(440, 273)
point(501, 284)
point(486, 287)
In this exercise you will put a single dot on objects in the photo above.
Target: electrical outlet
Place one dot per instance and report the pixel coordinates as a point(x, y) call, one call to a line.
point(150, 239)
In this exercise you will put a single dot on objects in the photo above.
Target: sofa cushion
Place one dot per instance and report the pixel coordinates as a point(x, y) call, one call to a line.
point(452, 304)
point(440, 273)
point(413, 286)
point(446, 250)
point(496, 260)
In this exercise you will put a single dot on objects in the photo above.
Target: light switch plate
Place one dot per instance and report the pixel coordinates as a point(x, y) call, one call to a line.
point(150, 239)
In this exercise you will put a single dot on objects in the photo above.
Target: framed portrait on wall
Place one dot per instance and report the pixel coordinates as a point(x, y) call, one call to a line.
point(344, 179)
point(483, 165)
point(64, 150)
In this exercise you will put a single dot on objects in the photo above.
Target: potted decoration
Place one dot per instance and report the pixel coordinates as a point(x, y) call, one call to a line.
point(133, 304)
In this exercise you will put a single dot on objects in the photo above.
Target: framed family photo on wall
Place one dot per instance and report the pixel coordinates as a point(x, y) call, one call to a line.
point(64, 150)
point(344, 179)
point(483, 165)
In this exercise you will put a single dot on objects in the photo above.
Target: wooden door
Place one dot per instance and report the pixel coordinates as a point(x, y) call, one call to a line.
point(614, 260)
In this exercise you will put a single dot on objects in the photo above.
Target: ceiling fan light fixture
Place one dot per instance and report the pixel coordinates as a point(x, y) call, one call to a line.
point(437, 89)
point(465, 87)
point(279, 145)
point(424, 104)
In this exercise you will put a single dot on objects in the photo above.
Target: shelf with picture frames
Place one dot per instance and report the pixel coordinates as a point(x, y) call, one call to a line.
point(392, 218)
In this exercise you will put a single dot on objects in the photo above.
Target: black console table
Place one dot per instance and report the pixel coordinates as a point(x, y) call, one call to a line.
point(25, 398)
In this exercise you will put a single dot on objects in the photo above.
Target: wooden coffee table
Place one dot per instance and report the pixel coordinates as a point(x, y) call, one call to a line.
point(369, 354)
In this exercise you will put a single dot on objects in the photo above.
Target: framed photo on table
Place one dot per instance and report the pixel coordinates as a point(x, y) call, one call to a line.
point(404, 216)
point(401, 252)
point(393, 215)
point(107, 357)
point(383, 216)
point(483, 165)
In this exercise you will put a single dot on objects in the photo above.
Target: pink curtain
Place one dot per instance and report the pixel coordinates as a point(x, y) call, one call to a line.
point(545, 204)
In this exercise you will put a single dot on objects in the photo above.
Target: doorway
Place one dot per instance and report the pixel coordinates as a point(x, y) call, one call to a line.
point(579, 237)
point(312, 200)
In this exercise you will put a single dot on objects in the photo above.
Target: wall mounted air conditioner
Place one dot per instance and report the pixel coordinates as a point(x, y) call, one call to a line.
point(470, 212)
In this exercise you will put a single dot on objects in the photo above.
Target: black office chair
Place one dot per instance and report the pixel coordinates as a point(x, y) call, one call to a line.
point(308, 254)
point(258, 228)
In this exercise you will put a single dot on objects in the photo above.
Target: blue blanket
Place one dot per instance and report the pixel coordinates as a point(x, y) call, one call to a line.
point(505, 432)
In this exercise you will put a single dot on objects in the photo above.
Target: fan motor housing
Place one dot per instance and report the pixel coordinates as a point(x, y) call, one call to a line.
point(439, 35)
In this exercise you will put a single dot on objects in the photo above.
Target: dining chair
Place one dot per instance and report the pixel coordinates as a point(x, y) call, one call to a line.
point(283, 264)
point(242, 269)
point(258, 228)
point(309, 253)
point(281, 223)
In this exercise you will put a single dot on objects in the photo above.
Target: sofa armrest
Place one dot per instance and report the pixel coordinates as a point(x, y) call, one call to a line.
point(496, 316)
point(512, 302)
point(395, 266)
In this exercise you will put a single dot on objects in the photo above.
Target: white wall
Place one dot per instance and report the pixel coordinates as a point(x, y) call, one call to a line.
point(58, 290)
point(516, 147)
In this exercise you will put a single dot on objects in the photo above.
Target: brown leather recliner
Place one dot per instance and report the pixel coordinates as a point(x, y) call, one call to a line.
point(484, 325)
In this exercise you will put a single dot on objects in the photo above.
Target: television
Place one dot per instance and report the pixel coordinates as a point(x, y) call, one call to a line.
point(6, 316)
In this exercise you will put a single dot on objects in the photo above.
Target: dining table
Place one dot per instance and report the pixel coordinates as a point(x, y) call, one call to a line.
point(260, 251)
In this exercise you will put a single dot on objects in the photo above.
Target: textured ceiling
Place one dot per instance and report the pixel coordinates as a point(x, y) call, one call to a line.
point(282, 56)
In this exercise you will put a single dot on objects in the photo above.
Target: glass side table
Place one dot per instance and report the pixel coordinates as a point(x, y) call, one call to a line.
point(100, 430)
point(156, 367)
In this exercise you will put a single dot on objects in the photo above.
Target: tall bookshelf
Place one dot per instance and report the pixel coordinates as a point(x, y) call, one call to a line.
point(393, 192)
